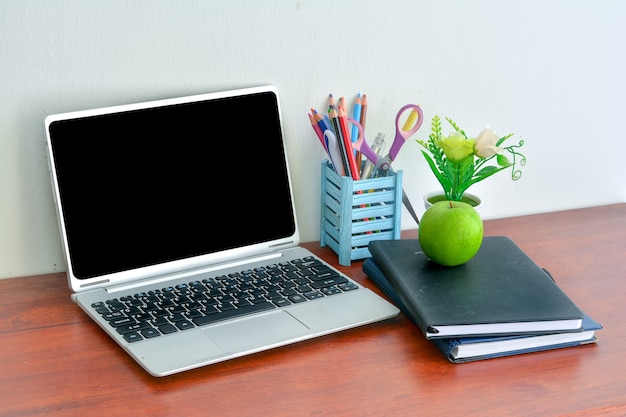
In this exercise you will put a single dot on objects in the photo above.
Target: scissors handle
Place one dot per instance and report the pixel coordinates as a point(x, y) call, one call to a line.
point(405, 132)
point(361, 144)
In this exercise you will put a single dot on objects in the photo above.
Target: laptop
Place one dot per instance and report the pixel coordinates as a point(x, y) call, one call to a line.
point(179, 231)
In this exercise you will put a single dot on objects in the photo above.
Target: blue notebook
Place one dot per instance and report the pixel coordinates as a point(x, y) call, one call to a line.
point(467, 349)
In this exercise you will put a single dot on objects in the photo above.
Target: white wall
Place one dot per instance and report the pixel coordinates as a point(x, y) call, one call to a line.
point(550, 71)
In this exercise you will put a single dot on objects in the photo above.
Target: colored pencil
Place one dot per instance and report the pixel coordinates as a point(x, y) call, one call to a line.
point(318, 131)
point(334, 118)
point(331, 103)
point(363, 111)
point(343, 124)
point(356, 115)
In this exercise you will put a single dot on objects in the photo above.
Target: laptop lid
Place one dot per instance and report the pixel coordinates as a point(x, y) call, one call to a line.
point(153, 188)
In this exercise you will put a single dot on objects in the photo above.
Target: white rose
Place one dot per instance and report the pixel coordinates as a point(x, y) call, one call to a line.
point(485, 144)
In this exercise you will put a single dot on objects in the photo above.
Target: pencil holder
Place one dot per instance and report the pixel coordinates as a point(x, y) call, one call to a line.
point(353, 213)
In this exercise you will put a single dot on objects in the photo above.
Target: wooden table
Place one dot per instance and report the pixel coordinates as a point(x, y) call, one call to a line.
point(54, 361)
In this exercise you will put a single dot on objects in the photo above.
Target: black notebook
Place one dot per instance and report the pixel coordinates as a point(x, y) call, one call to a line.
point(500, 291)
point(468, 349)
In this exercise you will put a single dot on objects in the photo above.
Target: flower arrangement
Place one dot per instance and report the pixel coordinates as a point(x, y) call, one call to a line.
point(459, 161)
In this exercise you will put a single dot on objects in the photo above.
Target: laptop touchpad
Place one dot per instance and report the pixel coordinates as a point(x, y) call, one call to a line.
point(264, 331)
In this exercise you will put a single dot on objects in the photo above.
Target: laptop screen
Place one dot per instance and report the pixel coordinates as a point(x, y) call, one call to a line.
point(157, 182)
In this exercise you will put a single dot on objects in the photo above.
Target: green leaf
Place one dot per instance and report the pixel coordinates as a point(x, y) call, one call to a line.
point(481, 175)
point(503, 161)
point(445, 183)
point(466, 169)
point(487, 171)
point(456, 127)
point(502, 139)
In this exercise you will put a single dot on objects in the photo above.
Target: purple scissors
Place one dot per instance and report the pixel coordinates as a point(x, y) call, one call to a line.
point(411, 125)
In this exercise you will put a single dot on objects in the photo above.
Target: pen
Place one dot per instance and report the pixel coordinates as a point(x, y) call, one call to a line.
point(377, 148)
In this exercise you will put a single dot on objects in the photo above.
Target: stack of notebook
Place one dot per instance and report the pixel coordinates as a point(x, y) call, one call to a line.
point(500, 303)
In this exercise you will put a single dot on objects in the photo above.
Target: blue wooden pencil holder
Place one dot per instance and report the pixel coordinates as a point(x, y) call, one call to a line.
point(357, 212)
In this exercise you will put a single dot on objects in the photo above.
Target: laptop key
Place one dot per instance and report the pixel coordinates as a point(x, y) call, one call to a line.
point(331, 290)
point(112, 316)
point(324, 275)
point(132, 337)
point(184, 324)
point(313, 295)
point(129, 328)
point(297, 298)
point(228, 314)
point(281, 302)
point(122, 321)
point(149, 333)
point(168, 328)
point(348, 286)
point(328, 282)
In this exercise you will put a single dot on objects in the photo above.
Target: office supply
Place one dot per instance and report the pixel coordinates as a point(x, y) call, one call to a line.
point(402, 135)
point(345, 151)
point(356, 115)
point(55, 361)
point(334, 152)
point(318, 132)
point(409, 207)
point(172, 257)
point(353, 213)
point(322, 121)
point(410, 120)
point(501, 291)
point(364, 107)
point(360, 145)
point(322, 126)
point(378, 148)
point(467, 349)
point(350, 153)
point(331, 103)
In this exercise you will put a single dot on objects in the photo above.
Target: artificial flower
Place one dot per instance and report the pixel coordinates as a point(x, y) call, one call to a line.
point(456, 147)
point(485, 144)
point(458, 161)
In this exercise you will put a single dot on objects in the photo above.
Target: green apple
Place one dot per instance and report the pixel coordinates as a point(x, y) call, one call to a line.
point(450, 232)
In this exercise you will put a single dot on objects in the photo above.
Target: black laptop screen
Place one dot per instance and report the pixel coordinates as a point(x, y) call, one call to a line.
point(148, 186)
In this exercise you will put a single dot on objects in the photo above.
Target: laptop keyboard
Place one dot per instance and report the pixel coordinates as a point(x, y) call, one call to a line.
point(154, 313)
